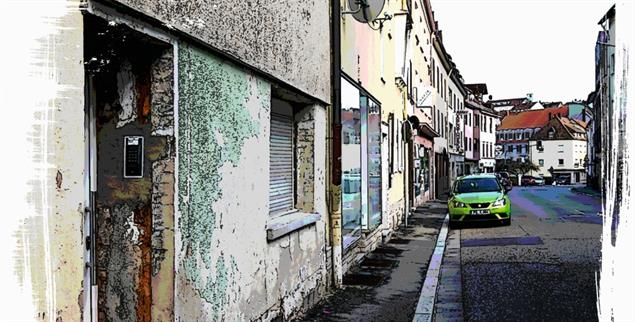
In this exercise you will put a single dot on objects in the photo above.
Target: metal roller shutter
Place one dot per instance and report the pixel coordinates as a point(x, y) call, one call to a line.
point(281, 164)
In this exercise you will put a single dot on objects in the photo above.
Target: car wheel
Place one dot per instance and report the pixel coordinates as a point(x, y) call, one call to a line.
point(507, 222)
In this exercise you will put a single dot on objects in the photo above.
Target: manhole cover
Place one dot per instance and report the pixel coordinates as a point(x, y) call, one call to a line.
point(363, 279)
point(379, 263)
point(505, 241)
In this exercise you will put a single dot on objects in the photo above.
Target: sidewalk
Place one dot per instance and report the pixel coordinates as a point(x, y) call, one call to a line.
point(386, 284)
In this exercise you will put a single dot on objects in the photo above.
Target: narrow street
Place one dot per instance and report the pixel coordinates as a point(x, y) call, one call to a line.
point(542, 267)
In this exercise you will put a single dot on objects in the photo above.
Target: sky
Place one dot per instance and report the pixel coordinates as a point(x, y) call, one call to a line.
point(522, 46)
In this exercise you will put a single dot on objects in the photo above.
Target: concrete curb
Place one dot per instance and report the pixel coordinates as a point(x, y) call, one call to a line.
point(425, 306)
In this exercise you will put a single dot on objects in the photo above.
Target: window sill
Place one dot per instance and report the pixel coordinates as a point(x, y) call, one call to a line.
point(288, 223)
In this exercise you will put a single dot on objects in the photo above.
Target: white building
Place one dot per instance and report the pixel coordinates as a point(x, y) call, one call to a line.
point(559, 149)
point(488, 122)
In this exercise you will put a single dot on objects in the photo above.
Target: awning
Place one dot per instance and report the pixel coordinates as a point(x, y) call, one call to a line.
point(423, 141)
point(427, 131)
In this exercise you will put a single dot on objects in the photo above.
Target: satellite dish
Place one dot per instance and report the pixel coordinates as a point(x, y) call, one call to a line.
point(366, 11)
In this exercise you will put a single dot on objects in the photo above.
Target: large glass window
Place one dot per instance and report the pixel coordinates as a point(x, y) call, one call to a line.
point(361, 163)
point(351, 164)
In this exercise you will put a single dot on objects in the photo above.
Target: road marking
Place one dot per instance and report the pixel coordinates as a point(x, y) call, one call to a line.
point(427, 297)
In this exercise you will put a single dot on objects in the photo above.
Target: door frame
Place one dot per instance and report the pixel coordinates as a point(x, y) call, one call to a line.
point(90, 289)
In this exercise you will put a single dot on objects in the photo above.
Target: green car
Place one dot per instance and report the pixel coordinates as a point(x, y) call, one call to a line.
point(479, 197)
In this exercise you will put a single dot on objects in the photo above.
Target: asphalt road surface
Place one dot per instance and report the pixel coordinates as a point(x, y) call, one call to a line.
point(542, 267)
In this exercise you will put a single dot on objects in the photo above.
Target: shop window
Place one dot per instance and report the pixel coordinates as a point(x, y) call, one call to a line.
point(361, 162)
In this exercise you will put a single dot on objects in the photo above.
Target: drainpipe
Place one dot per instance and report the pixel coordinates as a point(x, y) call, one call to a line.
point(336, 142)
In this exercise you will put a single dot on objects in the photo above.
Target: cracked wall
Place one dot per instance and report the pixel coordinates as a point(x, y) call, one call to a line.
point(225, 268)
point(45, 194)
point(276, 37)
point(135, 250)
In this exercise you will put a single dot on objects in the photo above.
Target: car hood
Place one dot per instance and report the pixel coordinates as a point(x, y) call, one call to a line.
point(478, 197)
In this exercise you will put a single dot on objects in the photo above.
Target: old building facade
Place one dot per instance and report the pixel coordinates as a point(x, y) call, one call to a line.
point(559, 149)
point(203, 170)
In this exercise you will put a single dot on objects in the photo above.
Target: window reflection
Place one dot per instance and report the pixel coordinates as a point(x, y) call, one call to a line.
point(351, 173)
point(361, 163)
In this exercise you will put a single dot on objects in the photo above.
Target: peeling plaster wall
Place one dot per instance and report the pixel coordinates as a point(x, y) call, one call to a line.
point(286, 39)
point(45, 267)
point(225, 268)
point(135, 215)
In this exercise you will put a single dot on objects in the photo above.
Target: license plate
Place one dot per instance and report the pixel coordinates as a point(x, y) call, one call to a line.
point(480, 212)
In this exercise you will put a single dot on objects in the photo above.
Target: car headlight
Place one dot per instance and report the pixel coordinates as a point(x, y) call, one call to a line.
point(458, 204)
point(499, 203)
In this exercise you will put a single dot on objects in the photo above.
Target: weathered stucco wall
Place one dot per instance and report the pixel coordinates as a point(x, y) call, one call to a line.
point(44, 193)
point(286, 39)
point(135, 215)
point(225, 268)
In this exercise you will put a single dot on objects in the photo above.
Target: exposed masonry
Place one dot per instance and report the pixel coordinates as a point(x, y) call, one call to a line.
point(162, 89)
point(135, 216)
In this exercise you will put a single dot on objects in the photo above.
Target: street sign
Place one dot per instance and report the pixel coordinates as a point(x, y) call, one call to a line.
point(426, 97)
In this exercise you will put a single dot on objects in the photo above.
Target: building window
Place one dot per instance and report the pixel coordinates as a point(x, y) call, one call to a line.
point(551, 134)
point(560, 148)
point(541, 162)
point(560, 162)
point(361, 164)
point(281, 183)
point(510, 148)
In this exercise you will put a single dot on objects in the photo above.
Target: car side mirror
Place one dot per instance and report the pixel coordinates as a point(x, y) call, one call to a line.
point(508, 189)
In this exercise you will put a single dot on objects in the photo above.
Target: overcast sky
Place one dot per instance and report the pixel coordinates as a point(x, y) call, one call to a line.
point(544, 47)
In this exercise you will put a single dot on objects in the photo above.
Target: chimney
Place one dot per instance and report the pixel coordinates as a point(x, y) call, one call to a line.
point(530, 97)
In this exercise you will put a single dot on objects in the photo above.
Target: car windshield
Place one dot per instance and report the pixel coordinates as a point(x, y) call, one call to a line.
point(477, 185)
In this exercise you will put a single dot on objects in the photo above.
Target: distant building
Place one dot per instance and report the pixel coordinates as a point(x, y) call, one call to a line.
point(559, 149)
point(515, 130)
point(551, 104)
point(505, 104)
point(487, 122)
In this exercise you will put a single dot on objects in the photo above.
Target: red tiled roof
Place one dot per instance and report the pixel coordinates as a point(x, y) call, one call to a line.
point(523, 106)
point(531, 119)
point(572, 125)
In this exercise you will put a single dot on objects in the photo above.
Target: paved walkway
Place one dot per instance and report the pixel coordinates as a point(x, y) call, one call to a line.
point(386, 285)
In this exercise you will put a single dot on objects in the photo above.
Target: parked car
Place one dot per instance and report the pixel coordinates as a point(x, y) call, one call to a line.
point(527, 180)
point(563, 179)
point(479, 197)
point(539, 181)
